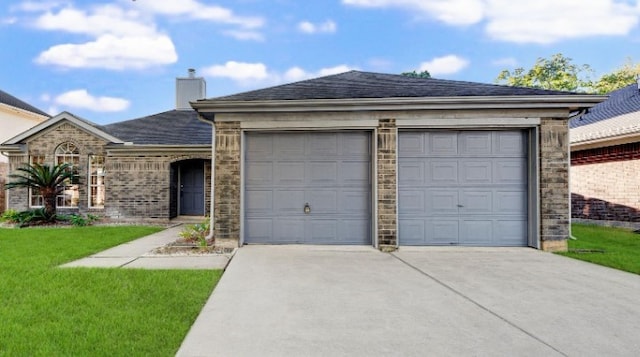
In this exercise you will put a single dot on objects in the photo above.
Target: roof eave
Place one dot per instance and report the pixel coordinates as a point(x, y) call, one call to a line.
point(570, 102)
point(605, 141)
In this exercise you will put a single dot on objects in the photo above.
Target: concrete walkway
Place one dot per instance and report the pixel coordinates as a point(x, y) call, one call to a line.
point(134, 254)
point(356, 301)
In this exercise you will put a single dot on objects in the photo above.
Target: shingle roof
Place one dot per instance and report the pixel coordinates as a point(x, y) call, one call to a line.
point(357, 84)
point(622, 101)
point(8, 99)
point(174, 127)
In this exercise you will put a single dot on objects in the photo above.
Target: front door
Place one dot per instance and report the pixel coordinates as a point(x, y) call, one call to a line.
point(192, 188)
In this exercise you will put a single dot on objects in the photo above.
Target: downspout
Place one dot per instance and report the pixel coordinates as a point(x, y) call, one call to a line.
point(213, 177)
point(580, 113)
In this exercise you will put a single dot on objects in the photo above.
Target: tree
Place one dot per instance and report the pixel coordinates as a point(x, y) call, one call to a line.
point(48, 181)
point(619, 78)
point(414, 74)
point(557, 73)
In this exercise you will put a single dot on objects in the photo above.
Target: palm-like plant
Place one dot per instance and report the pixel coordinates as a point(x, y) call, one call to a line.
point(48, 180)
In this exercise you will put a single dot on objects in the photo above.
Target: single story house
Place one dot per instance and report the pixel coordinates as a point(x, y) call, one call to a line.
point(353, 158)
point(153, 168)
point(605, 159)
point(16, 116)
point(388, 160)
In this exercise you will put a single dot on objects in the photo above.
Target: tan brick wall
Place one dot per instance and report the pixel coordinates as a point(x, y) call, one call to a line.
point(386, 161)
point(606, 191)
point(554, 183)
point(227, 181)
point(137, 185)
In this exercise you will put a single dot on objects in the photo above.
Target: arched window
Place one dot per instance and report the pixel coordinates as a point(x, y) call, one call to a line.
point(68, 153)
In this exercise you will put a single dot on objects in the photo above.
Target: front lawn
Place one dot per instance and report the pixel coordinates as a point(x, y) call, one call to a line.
point(50, 311)
point(613, 247)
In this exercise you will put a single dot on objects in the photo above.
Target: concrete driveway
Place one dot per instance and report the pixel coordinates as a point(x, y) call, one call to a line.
point(356, 301)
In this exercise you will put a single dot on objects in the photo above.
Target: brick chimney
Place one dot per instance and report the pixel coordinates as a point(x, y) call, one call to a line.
point(189, 89)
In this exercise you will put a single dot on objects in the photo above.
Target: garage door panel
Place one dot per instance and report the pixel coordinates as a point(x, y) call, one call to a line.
point(441, 144)
point(510, 202)
point(324, 230)
point(475, 143)
point(323, 201)
point(354, 202)
point(510, 171)
point(476, 231)
point(442, 172)
point(288, 201)
point(476, 202)
point(476, 172)
point(289, 173)
point(354, 231)
point(355, 146)
point(441, 231)
point(509, 143)
point(411, 172)
point(468, 187)
point(441, 202)
point(259, 201)
point(323, 173)
point(323, 145)
point(259, 230)
point(510, 232)
point(411, 145)
point(290, 230)
point(412, 202)
point(259, 173)
point(412, 231)
point(288, 146)
point(261, 146)
point(355, 173)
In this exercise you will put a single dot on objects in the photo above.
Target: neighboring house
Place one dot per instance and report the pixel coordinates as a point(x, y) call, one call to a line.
point(155, 167)
point(16, 116)
point(388, 160)
point(605, 159)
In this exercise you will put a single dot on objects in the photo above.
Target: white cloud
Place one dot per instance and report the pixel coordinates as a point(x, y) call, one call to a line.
point(252, 74)
point(449, 64)
point(540, 21)
point(325, 27)
point(81, 99)
point(37, 6)
point(112, 52)
point(548, 21)
point(244, 35)
point(238, 71)
point(453, 12)
point(197, 10)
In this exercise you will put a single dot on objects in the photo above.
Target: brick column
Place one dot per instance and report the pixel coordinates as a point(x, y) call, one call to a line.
point(4, 172)
point(386, 160)
point(227, 184)
point(554, 184)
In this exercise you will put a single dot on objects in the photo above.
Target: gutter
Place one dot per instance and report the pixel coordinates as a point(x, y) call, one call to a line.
point(573, 102)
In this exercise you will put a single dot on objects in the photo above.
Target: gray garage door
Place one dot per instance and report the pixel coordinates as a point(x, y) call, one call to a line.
point(326, 172)
point(462, 188)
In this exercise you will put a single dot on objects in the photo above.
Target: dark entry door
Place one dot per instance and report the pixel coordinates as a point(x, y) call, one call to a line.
point(192, 189)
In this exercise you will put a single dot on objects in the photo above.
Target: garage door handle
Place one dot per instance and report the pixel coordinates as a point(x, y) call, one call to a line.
point(307, 208)
point(460, 206)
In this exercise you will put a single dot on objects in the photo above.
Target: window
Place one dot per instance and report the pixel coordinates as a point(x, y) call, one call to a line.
point(68, 153)
point(96, 181)
point(35, 197)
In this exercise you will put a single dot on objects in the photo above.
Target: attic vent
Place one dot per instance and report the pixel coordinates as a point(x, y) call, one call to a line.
point(189, 89)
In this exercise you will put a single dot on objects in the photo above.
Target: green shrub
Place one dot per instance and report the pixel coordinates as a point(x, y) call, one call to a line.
point(10, 216)
point(196, 233)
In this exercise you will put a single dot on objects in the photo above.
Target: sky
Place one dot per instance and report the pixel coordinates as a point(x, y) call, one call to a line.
point(108, 61)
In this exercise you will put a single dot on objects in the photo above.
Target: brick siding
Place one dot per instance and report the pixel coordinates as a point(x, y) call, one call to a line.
point(605, 184)
point(554, 184)
point(387, 158)
point(4, 171)
point(227, 182)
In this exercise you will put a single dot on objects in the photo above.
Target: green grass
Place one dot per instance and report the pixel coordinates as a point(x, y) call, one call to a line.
point(50, 311)
point(613, 247)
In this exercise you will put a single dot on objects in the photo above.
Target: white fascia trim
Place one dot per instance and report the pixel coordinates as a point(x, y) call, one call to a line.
point(604, 142)
point(468, 122)
point(572, 102)
point(309, 124)
point(61, 117)
point(25, 113)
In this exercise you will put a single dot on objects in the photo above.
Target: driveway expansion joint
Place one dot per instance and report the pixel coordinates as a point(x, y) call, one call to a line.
point(462, 295)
